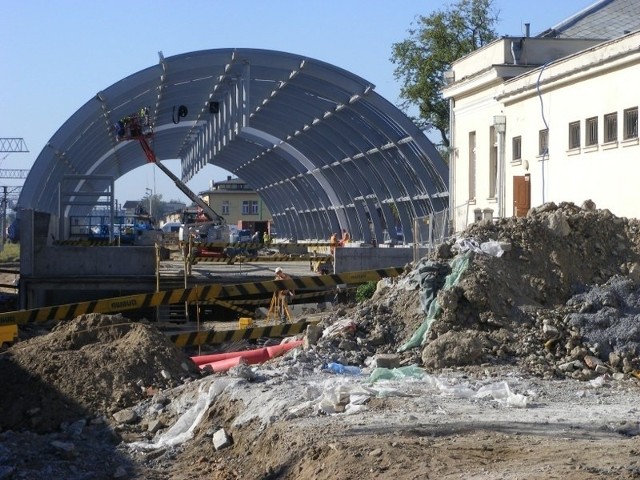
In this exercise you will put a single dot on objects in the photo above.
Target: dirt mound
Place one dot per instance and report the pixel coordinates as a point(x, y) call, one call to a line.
point(555, 294)
point(89, 367)
point(521, 300)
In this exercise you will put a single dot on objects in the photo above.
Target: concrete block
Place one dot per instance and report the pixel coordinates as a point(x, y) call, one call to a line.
point(221, 439)
point(387, 360)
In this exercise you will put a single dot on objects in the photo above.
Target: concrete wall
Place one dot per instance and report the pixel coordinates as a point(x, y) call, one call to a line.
point(356, 259)
point(54, 274)
point(94, 261)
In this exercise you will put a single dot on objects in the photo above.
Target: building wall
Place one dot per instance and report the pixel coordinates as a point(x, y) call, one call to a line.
point(235, 192)
point(591, 83)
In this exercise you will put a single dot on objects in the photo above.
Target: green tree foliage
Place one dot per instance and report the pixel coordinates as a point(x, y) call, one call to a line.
point(434, 43)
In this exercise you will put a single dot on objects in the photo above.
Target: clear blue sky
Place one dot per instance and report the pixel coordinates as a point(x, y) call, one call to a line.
point(56, 55)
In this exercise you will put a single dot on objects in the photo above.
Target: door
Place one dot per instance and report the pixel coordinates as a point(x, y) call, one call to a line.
point(521, 195)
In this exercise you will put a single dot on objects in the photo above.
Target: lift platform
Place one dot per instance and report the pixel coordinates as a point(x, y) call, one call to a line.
point(137, 126)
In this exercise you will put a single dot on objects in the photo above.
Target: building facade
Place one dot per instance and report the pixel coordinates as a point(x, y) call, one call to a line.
point(536, 120)
point(238, 204)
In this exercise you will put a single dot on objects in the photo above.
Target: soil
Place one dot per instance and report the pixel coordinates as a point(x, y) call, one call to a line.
point(510, 352)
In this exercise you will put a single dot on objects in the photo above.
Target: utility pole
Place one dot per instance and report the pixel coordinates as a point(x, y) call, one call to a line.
point(10, 145)
point(5, 191)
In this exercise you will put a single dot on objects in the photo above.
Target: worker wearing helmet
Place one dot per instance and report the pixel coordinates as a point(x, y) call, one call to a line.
point(283, 294)
point(280, 275)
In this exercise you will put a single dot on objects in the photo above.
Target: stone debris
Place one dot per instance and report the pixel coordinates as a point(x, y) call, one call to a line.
point(555, 294)
point(221, 439)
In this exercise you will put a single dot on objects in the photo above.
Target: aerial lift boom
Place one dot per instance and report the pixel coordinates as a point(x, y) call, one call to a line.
point(151, 157)
point(131, 128)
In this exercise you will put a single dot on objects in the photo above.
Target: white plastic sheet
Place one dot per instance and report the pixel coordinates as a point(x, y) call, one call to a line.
point(183, 429)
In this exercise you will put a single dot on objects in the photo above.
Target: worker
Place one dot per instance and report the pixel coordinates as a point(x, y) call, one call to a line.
point(266, 239)
point(333, 243)
point(346, 238)
point(283, 294)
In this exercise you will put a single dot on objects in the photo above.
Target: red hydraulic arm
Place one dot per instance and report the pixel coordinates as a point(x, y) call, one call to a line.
point(147, 149)
point(151, 157)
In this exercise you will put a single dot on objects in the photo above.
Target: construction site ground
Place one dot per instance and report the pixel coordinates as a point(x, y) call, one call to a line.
point(528, 370)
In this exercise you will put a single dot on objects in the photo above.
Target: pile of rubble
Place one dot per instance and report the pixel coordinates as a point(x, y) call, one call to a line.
point(91, 367)
point(555, 294)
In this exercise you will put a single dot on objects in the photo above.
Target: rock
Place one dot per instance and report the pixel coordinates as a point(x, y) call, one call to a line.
point(313, 334)
point(558, 224)
point(126, 416)
point(385, 361)
point(221, 439)
point(155, 425)
point(591, 361)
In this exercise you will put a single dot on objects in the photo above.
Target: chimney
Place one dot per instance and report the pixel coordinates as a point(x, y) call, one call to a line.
point(527, 29)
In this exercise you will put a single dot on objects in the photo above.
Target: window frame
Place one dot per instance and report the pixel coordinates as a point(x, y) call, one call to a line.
point(630, 123)
point(516, 148)
point(591, 131)
point(543, 142)
point(610, 127)
point(574, 135)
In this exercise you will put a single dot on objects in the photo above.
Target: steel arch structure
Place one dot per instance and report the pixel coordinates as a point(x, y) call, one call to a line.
point(321, 147)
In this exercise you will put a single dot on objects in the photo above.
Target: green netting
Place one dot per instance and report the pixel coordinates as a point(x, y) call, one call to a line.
point(430, 305)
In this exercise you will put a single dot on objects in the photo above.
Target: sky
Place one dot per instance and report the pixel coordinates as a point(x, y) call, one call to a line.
point(56, 55)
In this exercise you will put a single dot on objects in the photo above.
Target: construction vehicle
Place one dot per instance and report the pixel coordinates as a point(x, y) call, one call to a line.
point(207, 226)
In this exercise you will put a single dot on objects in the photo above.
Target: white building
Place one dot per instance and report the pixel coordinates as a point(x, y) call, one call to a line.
point(550, 118)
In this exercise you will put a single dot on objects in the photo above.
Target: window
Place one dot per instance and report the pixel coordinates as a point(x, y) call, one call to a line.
point(630, 123)
point(472, 165)
point(225, 207)
point(516, 148)
point(574, 135)
point(245, 207)
point(591, 131)
point(611, 127)
point(543, 142)
point(254, 207)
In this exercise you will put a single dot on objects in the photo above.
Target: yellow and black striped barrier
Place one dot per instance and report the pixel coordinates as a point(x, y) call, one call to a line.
point(258, 245)
point(85, 243)
point(231, 260)
point(217, 292)
point(229, 306)
point(296, 297)
point(214, 337)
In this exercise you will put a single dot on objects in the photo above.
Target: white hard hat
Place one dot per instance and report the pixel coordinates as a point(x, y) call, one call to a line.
point(278, 270)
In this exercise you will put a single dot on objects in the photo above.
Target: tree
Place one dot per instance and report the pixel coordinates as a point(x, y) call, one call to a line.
point(433, 45)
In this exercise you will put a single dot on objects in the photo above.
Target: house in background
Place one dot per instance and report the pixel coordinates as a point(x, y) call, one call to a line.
point(238, 204)
point(550, 118)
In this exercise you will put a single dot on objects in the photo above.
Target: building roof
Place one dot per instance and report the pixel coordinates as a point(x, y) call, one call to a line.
point(318, 144)
point(605, 19)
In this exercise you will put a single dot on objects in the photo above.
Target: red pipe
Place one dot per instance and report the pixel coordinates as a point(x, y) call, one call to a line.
point(215, 357)
point(222, 365)
point(224, 361)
